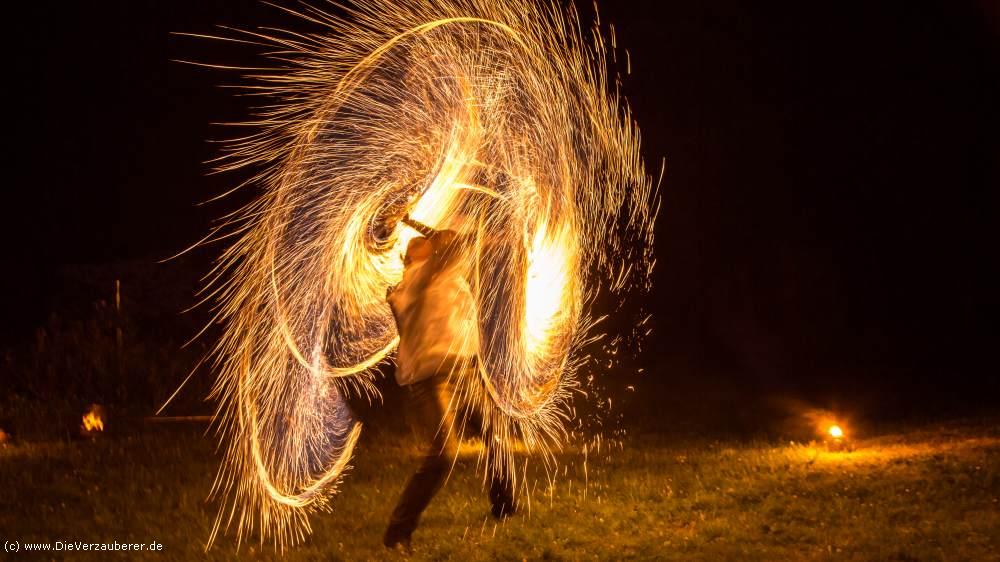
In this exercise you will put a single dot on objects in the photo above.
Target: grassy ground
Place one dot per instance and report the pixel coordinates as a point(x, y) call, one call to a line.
point(926, 493)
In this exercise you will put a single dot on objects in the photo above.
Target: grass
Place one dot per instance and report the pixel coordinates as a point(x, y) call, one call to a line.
point(926, 493)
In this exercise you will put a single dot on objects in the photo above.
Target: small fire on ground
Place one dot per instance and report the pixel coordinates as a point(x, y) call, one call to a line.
point(93, 420)
point(836, 432)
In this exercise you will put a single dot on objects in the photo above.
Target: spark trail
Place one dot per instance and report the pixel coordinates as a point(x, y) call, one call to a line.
point(493, 118)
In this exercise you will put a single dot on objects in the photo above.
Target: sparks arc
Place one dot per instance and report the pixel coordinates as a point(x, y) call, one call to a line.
point(494, 118)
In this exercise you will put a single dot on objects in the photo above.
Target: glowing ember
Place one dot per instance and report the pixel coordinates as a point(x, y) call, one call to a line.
point(495, 119)
point(93, 420)
point(836, 432)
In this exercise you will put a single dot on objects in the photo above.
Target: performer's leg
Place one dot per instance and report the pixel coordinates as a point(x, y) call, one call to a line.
point(501, 488)
point(501, 491)
point(431, 401)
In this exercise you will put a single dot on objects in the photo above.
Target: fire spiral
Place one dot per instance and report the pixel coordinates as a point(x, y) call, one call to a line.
point(492, 118)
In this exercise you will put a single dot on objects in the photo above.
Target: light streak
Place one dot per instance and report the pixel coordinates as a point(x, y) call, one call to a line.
point(493, 118)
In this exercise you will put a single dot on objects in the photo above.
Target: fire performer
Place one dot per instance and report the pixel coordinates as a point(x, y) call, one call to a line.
point(503, 110)
point(436, 319)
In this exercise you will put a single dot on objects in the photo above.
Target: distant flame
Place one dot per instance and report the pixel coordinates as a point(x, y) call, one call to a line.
point(92, 420)
point(836, 432)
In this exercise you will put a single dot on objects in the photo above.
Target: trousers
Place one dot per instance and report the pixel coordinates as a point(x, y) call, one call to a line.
point(434, 418)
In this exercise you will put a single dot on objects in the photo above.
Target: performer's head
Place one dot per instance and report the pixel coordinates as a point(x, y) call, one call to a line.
point(418, 249)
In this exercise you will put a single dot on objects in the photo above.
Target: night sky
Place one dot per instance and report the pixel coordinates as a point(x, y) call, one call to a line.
point(830, 195)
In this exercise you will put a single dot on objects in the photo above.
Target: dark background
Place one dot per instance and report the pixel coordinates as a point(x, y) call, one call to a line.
point(830, 192)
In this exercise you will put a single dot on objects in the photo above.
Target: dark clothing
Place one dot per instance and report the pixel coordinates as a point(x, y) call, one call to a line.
point(434, 417)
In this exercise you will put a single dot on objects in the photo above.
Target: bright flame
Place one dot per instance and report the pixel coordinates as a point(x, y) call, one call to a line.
point(92, 420)
point(549, 288)
point(836, 432)
point(493, 118)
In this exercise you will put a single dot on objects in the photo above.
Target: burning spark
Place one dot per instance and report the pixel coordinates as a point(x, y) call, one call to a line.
point(93, 420)
point(493, 118)
point(836, 432)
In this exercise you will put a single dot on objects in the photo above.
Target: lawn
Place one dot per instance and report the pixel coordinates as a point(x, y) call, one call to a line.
point(921, 493)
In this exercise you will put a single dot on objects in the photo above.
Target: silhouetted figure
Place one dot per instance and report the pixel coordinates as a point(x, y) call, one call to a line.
point(438, 341)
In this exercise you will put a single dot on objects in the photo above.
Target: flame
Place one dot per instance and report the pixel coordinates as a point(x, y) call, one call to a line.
point(92, 420)
point(548, 295)
point(828, 424)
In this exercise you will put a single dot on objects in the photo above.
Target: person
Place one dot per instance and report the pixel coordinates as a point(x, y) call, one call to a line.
point(436, 320)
